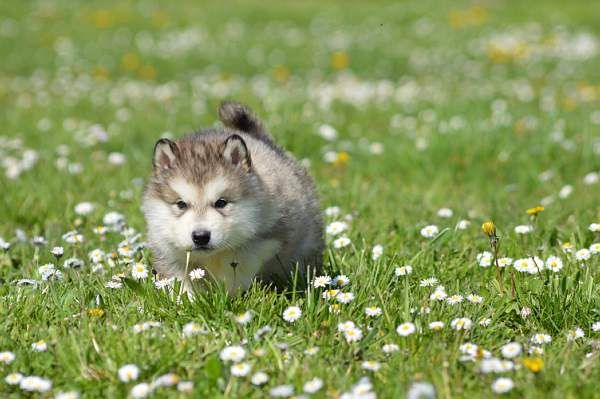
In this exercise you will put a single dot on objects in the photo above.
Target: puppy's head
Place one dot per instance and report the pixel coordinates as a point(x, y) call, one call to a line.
point(203, 195)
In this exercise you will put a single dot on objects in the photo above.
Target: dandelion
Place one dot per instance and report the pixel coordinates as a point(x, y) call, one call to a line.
point(511, 350)
point(535, 210)
point(489, 229)
point(321, 281)
point(406, 329)
point(313, 386)
point(341, 242)
point(128, 373)
point(291, 314)
point(259, 378)
point(462, 323)
point(240, 369)
point(430, 231)
point(373, 311)
point(95, 312)
point(534, 365)
point(403, 270)
point(502, 385)
point(7, 357)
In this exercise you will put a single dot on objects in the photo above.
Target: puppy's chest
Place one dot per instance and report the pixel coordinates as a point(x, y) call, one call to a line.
point(238, 269)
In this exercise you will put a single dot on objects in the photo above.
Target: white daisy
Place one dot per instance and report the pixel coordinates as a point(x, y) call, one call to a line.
point(406, 329)
point(197, 274)
point(430, 231)
point(292, 313)
point(128, 373)
point(403, 270)
point(502, 385)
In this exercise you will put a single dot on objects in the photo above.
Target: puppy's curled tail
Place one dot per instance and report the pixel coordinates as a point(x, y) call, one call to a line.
point(237, 116)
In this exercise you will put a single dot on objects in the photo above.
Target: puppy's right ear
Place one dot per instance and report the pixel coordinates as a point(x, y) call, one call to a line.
point(165, 154)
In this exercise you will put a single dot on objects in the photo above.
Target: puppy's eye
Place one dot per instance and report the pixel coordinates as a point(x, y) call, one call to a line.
point(221, 203)
point(181, 205)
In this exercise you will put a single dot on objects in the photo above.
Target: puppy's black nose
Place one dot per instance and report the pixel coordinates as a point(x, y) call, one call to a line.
point(200, 237)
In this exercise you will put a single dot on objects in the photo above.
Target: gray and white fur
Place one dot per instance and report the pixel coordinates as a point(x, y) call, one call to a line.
point(243, 207)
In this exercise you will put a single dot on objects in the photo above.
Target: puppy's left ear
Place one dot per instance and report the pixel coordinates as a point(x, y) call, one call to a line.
point(236, 152)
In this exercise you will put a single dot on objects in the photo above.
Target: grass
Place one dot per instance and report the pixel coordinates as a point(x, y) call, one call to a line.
point(470, 104)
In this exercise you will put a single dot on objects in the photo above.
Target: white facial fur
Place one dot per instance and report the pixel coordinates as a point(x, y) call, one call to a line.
point(230, 227)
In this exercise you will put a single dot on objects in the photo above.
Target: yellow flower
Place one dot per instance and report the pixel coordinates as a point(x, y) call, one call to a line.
point(533, 364)
point(281, 73)
point(489, 228)
point(339, 60)
point(147, 72)
point(535, 210)
point(95, 312)
point(342, 158)
point(130, 62)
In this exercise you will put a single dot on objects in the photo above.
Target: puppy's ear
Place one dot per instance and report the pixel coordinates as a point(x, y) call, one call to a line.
point(165, 154)
point(236, 152)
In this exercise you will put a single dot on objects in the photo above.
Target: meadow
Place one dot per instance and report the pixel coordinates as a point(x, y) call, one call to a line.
point(419, 120)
